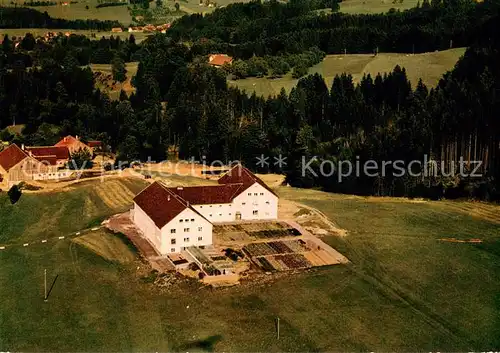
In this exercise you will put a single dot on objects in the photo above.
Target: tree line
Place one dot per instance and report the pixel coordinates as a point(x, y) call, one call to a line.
point(271, 28)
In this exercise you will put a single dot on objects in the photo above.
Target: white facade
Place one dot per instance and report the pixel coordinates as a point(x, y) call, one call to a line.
point(193, 225)
point(255, 203)
point(186, 229)
point(217, 213)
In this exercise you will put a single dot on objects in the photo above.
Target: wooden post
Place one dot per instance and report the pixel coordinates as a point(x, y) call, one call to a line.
point(45, 285)
point(278, 327)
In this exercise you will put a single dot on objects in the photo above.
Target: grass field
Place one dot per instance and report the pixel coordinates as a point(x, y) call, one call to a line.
point(78, 11)
point(428, 66)
point(114, 89)
point(374, 6)
point(404, 291)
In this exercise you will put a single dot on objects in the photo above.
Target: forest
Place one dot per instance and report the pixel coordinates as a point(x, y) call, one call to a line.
point(181, 101)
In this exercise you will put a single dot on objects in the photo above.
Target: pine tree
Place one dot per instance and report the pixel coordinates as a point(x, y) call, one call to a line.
point(118, 69)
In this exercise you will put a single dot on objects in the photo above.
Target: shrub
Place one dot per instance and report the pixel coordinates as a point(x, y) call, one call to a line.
point(14, 194)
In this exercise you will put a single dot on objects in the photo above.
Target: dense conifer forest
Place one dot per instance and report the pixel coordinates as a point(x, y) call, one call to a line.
point(181, 101)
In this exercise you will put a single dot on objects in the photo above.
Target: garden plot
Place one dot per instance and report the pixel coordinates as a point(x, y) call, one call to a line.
point(291, 254)
point(252, 231)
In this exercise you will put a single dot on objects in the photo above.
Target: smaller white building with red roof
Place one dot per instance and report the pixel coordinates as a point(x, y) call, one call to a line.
point(218, 60)
point(173, 219)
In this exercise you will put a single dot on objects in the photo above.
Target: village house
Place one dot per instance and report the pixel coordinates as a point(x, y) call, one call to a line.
point(74, 144)
point(18, 165)
point(173, 219)
point(54, 155)
point(218, 60)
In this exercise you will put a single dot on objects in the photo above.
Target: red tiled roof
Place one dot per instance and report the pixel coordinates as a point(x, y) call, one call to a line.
point(11, 156)
point(58, 152)
point(160, 204)
point(47, 160)
point(219, 59)
point(66, 141)
point(210, 194)
point(240, 174)
point(94, 144)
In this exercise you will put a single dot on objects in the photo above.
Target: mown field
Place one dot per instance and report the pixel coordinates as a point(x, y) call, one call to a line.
point(79, 11)
point(404, 291)
point(375, 6)
point(428, 66)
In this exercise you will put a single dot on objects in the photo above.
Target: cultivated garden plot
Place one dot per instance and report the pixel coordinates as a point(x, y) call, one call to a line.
point(290, 254)
point(253, 231)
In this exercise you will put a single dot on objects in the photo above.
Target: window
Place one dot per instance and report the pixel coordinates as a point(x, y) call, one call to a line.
point(186, 240)
point(255, 212)
point(220, 214)
point(201, 206)
point(229, 213)
point(172, 231)
point(181, 220)
point(200, 229)
point(210, 205)
point(172, 250)
point(186, 220)
point(243, 203)
point(261, 193)
point(183, 248)
point(220, 205)
point(267, 202)
point(254, 194)
point(186, 230)
point(249, 194)
point(172, 241)
point(210, 215)
point(200, 238)
point(192, 219)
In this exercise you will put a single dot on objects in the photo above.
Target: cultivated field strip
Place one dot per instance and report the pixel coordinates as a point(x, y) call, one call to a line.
point(114, 194)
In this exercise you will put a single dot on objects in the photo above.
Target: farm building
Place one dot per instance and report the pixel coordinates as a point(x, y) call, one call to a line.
point(173, 219)
point(17, 165)
point(74, 144)
point(218, 60)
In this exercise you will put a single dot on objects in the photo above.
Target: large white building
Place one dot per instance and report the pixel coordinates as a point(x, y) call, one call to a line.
point(176, 218)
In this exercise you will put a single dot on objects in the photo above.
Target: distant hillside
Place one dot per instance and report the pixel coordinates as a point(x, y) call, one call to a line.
point(428, 66)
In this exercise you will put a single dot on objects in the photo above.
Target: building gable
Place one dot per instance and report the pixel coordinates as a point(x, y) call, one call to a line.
point(12, 156)
point(159, 204)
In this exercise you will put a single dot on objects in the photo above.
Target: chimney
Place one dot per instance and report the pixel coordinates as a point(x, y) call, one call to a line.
point(22, 146)
point(180, 188)
point(31, 154)
point(77, 137)
point(168, 198)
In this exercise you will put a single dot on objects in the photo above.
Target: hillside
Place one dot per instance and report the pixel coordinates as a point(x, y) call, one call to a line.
point(406, 289)
point(428, 66)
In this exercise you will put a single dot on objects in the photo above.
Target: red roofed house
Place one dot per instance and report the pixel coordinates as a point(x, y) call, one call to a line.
point(54, 155)
point(74, 144)
point(159, 212)
point(218, 60)
point(17, 165)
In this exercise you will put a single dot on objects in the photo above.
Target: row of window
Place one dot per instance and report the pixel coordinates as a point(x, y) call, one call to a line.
point(254, 203)
point(186, 230)
point(186, 240)
point(184, 248)
point(255, 194)
point(186, 220)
